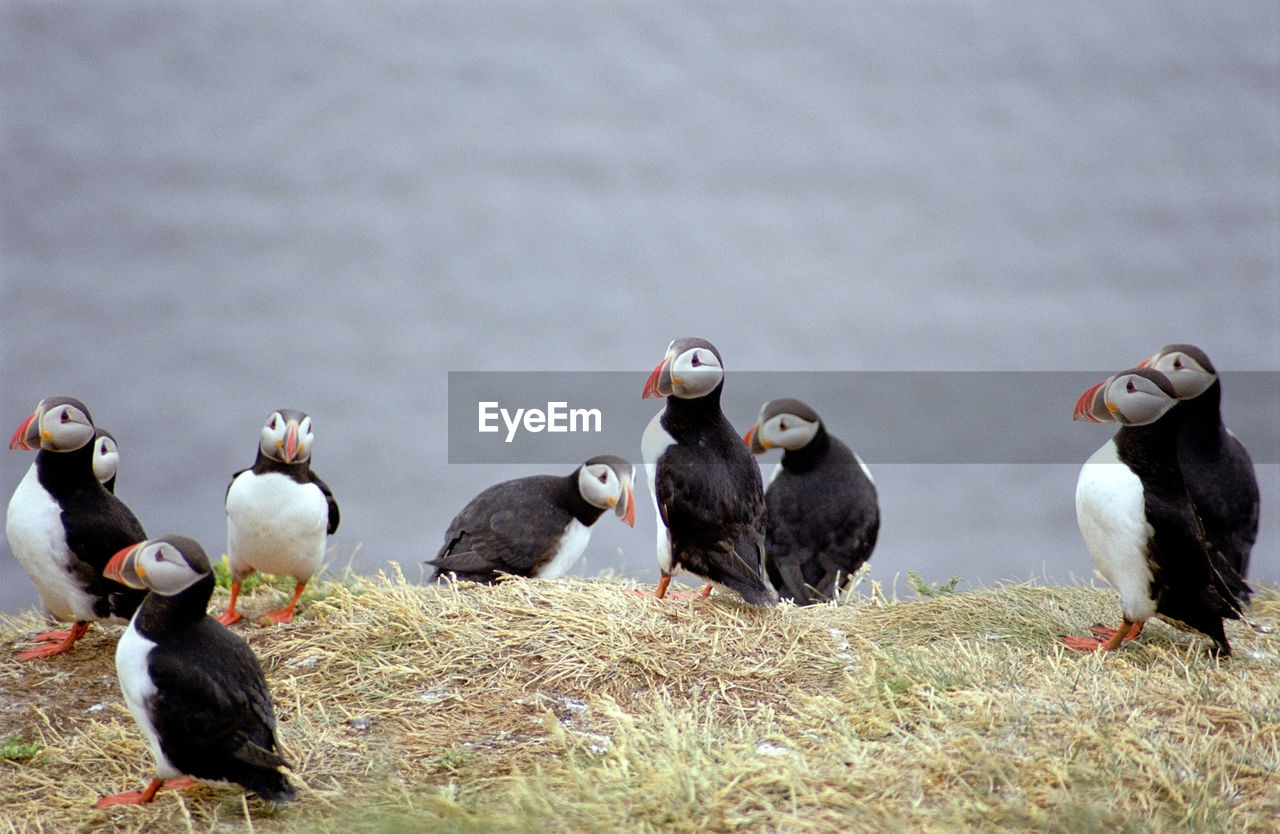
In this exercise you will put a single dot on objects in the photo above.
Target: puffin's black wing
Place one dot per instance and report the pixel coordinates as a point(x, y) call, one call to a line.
point(333, 504)
point(100, 527)
point(509, 528)
point(714, 514)
point(1192, 584)
point(213, 711)
point(823, 525)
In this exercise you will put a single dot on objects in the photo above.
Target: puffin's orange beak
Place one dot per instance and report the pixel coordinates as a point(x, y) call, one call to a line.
point(28, 434)
point(124, 568)
point(659, 382)
point(1090, 409)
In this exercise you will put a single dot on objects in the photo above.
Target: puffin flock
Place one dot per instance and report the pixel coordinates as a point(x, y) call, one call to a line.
point(1168, 509)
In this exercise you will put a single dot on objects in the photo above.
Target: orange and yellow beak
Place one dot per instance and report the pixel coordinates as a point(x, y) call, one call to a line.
point(1092, 406)
point(289, 446)
point(125, 569)
point(660, 382)
point(753, 441)
point(626, 508)
point(27, 436)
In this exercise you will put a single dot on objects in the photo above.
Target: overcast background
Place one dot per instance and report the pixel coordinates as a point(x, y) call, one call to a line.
point(213, 210)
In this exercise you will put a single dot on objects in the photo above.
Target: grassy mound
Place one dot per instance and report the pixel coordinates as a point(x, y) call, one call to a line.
point(575, 706)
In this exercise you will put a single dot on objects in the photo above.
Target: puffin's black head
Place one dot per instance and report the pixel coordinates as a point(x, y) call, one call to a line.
point(287, 437)
point(166, 566)
point(692, 368)
point(1187, 367)
point(786, 423)
point(606, 481)
point(106, 458)
point(1136, 397)
point(59, 424)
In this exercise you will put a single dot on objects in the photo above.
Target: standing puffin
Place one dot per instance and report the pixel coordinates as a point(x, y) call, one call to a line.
point(1218, 471)
point(278, 512)
point(1137, 519)
point(106, 459)
point(63, 525)
point(194, 687)
point(536, 526)
point(705, 483)
point(823, 513)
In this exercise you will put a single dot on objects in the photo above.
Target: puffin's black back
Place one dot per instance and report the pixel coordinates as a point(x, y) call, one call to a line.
point(1221, 480)
point(212, 709)
point(711, 498)
point(97, 524)
point(823, 519)
point(1191, 583)
point(512, 527)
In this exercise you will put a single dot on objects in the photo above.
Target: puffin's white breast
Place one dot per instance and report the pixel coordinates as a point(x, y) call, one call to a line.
point(33, 525)
point(276, 525)
point(1113, 522)
point(653, 443)
point(132, 653)
point(570, 548)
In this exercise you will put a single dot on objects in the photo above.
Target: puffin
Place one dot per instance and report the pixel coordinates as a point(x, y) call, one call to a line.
point(279, 512)
point(1137, 519)
point(193, 686)
point(536, 526)
point(106, 458)
point(705, 483)
point(1218, 470)
point(821, 503)
point(63, 525)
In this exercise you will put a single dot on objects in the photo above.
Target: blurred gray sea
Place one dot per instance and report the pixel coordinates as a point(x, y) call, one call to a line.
point(213, 210)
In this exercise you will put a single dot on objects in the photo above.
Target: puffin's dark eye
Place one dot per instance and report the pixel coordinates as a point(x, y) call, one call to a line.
point(1130, 387)
point(1177, 364)
point(271, 424)
point(65, 416)
point(695, 362)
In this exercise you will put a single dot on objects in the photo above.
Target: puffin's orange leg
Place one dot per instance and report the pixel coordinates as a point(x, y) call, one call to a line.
point(706, 590)
point(1106, 632)
point(143, 796)
point(56, 642)
point(662, 586)
point(230, 615)
point(284, 615)
point(1127, 631)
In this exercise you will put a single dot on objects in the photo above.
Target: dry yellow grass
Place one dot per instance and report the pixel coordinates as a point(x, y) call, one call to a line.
point(573, 706)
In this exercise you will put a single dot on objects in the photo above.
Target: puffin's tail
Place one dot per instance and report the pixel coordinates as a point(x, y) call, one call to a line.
point(270, 784)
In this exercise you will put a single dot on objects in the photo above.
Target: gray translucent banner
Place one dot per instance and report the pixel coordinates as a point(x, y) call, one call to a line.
point(563, 418)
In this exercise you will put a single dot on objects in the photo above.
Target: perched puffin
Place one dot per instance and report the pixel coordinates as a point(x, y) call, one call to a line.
point(278, 512)
point(705, 483)
point(106, 459)
point(63, 525)
point(823, 513)
point(194, 687)
point(1137, 519)
point(1218, 471)
point(536, 526)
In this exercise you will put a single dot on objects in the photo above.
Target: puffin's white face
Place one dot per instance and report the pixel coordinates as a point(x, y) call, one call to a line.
point(287, 438)
point(1135, 400)
point(602, 486)
point(156, 565)
point(787, 431)
point(694, 373)
point(63, 427)
point(1190, 378)
point(106, 459)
